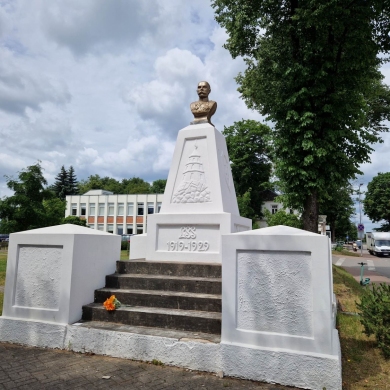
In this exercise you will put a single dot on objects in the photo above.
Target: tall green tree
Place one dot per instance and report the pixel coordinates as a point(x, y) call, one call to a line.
point(377, 200)
point(312, 69)
point(135, 185)
point(60, 186)
point(25, 209)
point(249, 149)
point(65, 183)
point(158, 186)
point(338, 208)
point(72, 182)
point(95, 182)
point(54, 211)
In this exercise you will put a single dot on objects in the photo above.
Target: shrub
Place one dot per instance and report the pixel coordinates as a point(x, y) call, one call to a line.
point(375, 315)
point(124, 245)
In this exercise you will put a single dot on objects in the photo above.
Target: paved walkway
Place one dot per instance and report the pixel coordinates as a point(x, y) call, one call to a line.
point(38, 368)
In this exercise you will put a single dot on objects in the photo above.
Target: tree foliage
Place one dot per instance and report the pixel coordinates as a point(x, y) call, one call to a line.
point(377, 200)
point(72, 219)
point(248, 146)
point(54, 211)
point(158, 186)
point(339, 208)
point(65, 183)
point(281, 217)
point(312, 69)
point(25, 209)
point(134, 185)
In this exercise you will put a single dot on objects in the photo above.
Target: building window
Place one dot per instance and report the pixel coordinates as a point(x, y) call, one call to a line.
point(274, 208)
point(158, 206)
point(121, 209)
point(92, 209)
point(110, 228)
point(74, 208)
point(83, 209)
point(101, 209)
point(101, 227)
point(129, 229)
point(140, 210)
point(130, 208)
point(150, 208)
point(91, 226)
point(120, 230)
point(140, 229)
point(110, 209)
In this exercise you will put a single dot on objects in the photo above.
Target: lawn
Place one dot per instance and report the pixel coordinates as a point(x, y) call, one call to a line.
point(345, 252)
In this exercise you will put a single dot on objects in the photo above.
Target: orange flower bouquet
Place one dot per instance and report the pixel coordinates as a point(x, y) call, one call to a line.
point(111, 303)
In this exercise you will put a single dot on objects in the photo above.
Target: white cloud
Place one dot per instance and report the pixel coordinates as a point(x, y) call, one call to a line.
point(106, 85)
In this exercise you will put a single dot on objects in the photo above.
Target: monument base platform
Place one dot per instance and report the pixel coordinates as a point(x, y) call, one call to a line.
point(286, 367)
point(186, 237)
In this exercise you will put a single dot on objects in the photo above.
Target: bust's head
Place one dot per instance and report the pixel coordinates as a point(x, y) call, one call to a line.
point(203, 90)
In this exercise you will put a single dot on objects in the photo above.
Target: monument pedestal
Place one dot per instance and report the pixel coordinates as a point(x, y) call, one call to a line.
point(199, 202)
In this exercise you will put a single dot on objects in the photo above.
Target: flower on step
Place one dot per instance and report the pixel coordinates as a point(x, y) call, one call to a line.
point(111, 303)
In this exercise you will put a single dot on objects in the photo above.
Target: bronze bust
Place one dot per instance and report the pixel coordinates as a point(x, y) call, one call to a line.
point(204, 108)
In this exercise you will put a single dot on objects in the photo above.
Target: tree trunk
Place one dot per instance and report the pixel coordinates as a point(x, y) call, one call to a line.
point(310, 213)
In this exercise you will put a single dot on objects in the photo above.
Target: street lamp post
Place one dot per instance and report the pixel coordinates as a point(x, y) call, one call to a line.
point(360, 221)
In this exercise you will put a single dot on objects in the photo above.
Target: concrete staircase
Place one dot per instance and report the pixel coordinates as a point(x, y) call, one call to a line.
point(184, 297)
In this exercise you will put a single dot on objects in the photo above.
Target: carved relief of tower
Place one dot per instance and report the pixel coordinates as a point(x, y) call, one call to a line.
point(193, 187)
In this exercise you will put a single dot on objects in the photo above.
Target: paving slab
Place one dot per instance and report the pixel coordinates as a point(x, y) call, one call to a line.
point(38, 368)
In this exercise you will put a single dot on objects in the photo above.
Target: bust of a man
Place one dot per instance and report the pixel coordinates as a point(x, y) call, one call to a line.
point(204, 108)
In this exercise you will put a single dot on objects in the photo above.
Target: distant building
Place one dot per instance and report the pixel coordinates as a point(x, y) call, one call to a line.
point(271, 205)
point(119, 214)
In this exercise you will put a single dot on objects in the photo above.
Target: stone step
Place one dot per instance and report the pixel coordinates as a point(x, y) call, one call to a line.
point(185, 320)
point(179, 335)
point(167, 299)
point(164, 283)
point(200, 270)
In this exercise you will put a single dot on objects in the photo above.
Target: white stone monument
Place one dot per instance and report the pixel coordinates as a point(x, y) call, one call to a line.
point(199, 203)
point(278, 308)
point(51, 273)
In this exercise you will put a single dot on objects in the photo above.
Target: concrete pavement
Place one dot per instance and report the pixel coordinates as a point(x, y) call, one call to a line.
point(38, 368)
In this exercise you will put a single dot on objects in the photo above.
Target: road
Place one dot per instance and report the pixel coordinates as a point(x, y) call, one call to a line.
point(377, 268)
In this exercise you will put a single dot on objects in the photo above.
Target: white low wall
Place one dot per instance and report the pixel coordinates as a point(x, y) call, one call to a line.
point(310, 371)
point(277, 296)
point(278, 307)
point(52, 272)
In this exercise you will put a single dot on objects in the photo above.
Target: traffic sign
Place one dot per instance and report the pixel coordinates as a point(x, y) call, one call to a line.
point(361, 227)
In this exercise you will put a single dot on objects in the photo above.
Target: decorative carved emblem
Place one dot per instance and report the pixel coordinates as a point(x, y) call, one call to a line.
point(193, 187)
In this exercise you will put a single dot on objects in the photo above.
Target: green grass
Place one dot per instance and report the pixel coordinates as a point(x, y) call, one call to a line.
point(124, 255)
point(345, 252)
point(363, 365)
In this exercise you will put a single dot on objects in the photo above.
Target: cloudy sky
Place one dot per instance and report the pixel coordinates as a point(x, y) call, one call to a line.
point(106, 85)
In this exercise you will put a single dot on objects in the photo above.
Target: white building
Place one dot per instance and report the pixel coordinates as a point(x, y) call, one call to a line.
point(119, 214)
point(270, 204)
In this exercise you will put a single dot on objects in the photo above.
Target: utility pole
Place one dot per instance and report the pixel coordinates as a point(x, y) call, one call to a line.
point(360, 220)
